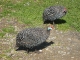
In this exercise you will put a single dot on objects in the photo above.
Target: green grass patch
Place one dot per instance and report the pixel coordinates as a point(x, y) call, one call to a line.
point(64, 27)
point(2, 34)
point(5, 57)
point(8, 29)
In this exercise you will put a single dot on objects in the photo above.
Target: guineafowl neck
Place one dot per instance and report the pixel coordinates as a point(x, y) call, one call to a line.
point(45, 27)
point(47, 31)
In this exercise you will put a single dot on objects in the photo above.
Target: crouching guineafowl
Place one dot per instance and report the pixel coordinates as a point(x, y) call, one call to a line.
point(32, 37)
point(53, 13)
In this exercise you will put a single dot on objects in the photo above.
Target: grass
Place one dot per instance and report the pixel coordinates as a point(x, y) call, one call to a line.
point(9, 29)
point(30, 11)
point(5, 57)
point(2, 34)
point(5, 30)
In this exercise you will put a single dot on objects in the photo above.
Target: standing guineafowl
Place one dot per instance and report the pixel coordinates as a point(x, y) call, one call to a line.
point(53, 13)
point(32, 37)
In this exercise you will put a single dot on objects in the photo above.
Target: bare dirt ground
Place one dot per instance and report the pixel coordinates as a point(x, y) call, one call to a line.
point(66, 46)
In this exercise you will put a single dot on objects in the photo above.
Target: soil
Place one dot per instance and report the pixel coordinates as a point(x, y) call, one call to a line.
point(59, 46)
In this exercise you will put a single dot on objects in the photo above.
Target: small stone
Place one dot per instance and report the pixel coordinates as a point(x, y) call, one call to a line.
point(72, 57)
point(40, 50)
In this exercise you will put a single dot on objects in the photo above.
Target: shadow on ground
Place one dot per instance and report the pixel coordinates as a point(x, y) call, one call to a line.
point(40, 47)
point(58, 21)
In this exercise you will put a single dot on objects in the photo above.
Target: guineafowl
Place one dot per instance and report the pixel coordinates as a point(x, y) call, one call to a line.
point(32, 37)
point(53, 13)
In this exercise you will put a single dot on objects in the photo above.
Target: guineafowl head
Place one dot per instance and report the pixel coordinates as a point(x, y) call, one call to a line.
point(60, 11)
point(48, 26)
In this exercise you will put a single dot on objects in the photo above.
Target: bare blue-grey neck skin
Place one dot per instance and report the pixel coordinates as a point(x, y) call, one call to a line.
point(49, 28)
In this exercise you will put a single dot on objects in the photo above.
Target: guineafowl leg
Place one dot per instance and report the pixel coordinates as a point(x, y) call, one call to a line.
point(53, 24)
